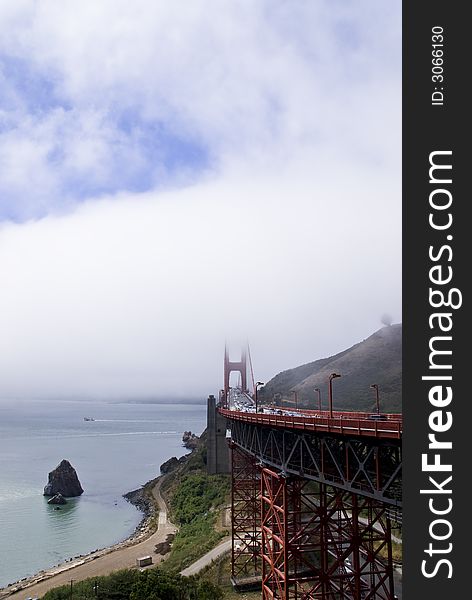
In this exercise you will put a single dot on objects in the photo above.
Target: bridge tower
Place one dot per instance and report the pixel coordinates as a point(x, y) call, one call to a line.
point(238, 366)
point(218, 454)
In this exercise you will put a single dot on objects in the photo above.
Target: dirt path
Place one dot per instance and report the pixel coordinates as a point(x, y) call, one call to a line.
point(102, 562)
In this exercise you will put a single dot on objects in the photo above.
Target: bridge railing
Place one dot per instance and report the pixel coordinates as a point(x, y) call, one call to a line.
point(341, 423)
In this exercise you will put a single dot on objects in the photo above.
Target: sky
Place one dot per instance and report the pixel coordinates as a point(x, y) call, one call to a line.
point(173, 179)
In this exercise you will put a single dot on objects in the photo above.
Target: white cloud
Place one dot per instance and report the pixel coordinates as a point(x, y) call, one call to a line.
point(136, 295)
point(242, 78)
point(288, 233)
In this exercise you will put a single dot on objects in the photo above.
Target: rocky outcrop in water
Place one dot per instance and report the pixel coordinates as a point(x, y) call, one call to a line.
point(63, 480)
point(190, 440)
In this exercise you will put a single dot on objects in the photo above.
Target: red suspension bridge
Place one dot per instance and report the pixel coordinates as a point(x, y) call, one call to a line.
point(314, 495)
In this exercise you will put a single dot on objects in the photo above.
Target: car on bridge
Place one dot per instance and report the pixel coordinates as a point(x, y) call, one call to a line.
point(377, 417)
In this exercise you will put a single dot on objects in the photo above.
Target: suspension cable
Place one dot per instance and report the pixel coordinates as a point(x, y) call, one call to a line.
point(250, 366)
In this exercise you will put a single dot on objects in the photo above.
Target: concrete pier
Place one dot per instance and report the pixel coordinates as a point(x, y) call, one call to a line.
point(218, 456)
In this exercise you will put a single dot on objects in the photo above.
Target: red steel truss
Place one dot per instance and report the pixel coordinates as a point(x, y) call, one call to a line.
point(245, 516)
point(366, 466)
point(319, 542)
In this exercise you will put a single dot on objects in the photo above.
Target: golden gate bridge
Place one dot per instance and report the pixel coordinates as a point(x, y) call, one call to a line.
point(314, 494)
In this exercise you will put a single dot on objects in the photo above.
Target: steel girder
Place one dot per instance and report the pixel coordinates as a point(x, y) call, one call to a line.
point(275, 547)
point(245, 516)
point(315, 544)
point(368, 467)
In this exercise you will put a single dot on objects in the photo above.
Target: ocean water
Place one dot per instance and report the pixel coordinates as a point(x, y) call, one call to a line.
point(119, 451)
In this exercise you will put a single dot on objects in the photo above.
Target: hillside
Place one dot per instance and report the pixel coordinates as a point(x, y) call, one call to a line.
point(377, 359)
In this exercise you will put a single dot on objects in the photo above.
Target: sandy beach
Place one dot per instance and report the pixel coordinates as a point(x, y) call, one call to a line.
point(100, 562)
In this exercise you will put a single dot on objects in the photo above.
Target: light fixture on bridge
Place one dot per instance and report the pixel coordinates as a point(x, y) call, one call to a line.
point(377, 402)
point(330, 392)
point(255, 392)
point(319, 397)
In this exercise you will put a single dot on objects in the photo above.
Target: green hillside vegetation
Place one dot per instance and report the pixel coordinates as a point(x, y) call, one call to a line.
point(194, 498)
point(132, 584)
point(377, 359)
point(219, 574)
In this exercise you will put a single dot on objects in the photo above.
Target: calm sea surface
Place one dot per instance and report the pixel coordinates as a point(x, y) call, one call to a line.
point(118, 452)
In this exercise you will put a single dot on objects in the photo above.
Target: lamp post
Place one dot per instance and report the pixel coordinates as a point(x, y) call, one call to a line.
point(295, 397)
point(377, 403)
point(330, 392)
point(255, 393)
point(319, 397)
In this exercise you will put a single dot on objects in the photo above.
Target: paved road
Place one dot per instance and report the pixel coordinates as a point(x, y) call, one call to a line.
point(206, 559)
point(103, 562)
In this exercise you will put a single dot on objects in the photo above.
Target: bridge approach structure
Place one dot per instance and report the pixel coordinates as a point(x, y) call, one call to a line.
point(314, 497)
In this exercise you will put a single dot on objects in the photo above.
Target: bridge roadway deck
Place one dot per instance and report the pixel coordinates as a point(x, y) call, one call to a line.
point(349, 424)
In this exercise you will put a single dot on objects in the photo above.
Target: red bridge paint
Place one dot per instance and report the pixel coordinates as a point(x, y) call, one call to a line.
point(342, 423)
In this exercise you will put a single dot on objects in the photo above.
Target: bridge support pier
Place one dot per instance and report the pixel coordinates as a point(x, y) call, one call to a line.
point(316, 544)
point(217, 445)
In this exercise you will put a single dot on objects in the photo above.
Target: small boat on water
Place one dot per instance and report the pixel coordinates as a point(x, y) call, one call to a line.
point(89, 419)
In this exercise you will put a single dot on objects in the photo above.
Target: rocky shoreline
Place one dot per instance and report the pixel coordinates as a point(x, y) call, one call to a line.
point(143, 499)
